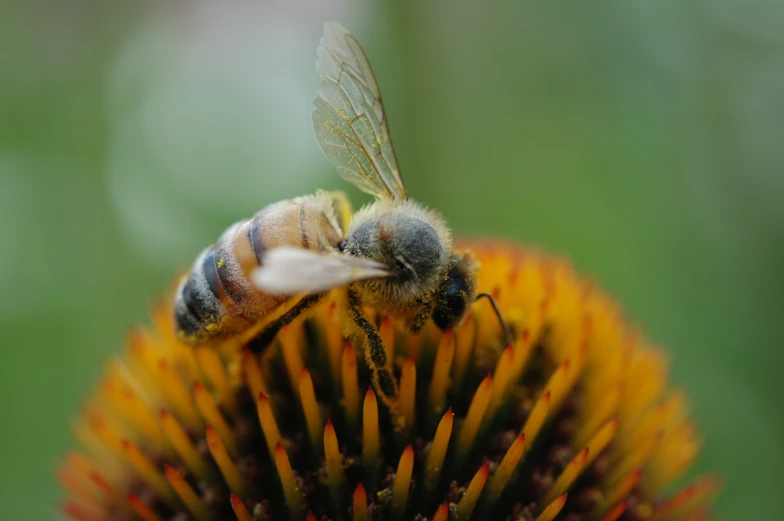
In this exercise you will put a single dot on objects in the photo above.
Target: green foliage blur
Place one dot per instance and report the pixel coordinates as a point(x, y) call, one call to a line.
point(641, 139)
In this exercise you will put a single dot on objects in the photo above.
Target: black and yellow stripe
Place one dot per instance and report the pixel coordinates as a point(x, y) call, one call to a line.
point(216, 298)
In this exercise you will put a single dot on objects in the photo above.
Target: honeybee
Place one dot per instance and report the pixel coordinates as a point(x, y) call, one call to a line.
point(393, 255)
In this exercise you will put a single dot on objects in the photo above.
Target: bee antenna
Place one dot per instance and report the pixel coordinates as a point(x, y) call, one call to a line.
point(507, 333)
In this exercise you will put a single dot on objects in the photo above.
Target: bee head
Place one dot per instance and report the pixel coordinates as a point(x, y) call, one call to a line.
point(458, 291)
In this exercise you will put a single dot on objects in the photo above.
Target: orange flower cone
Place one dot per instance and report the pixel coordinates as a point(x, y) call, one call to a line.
point(573, 421)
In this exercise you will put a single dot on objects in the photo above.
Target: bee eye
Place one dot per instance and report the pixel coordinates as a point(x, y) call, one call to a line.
point(342, 245)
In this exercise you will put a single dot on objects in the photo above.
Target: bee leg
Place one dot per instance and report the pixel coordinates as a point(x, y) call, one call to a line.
point(376, 356)
point(267, 335)
point(422, 316)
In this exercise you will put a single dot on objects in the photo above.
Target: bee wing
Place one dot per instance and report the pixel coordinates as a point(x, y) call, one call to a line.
point(349, 120)
point(289, 271)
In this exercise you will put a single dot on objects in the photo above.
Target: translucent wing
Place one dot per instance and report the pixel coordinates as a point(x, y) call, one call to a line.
point(349, 119)
point(289, 271)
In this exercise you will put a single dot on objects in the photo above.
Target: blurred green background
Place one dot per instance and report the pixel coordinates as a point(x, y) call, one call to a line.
point(643, 140)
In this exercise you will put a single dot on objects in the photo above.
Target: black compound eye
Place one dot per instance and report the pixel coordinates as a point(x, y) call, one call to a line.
point(457, 304)
point(452, 307)
point(342, 245)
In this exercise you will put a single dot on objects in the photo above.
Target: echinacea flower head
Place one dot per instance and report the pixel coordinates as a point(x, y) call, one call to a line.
point(573, 420)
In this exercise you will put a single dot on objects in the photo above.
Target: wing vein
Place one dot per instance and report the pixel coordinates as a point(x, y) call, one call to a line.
point(350, 112)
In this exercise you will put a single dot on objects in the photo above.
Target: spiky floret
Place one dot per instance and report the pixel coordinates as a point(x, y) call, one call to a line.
point(574, 420)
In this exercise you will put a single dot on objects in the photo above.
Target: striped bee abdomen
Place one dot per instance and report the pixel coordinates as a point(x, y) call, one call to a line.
point(216, 299)
point(198, 309)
